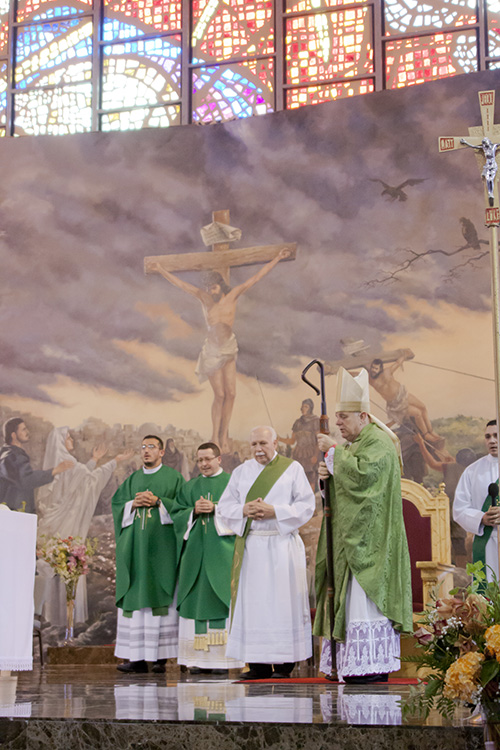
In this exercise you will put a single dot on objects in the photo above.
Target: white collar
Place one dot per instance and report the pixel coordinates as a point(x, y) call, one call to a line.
point(152, 471)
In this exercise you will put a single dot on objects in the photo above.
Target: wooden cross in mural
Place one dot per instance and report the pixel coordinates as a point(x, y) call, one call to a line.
point(221, 259)
point(484, 139)
point(217, 360)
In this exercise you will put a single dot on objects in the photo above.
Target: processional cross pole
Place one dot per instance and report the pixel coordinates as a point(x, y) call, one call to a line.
point(482, 139)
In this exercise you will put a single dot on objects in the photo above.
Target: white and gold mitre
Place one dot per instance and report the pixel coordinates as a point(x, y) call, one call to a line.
point(353, 394)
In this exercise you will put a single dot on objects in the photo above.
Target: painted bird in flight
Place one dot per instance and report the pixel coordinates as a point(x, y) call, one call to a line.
point(396, 192)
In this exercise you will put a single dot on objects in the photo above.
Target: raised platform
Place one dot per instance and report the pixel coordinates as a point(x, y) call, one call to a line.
point(93, 707)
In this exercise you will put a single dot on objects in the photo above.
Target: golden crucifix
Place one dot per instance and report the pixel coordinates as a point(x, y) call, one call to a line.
point(482, 140)
point(217, 361)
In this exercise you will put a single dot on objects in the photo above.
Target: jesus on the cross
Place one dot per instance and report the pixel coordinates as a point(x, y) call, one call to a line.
point(217, 360)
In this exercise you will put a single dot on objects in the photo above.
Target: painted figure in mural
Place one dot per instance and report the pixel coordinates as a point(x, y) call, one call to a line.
point(490, 168)
point(146, 562)
point(204, 590)
point(66, 507)
point(217, 360)
point(303, 440)
point(18, 480)
point(175, 458)
point(266, 501)
point(399, 402)
point(452, 469)
point(371, 562)
point(473, 507)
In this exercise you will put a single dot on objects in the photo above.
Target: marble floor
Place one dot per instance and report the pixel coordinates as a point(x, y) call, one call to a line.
point(100, 692)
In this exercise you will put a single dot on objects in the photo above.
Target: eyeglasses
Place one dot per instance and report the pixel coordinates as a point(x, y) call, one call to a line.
point(150, 446)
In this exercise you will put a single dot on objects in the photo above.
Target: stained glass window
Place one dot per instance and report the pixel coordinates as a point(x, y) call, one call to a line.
point(141, 72)
point(317, 94)
point(142, 117)
point(3, 92)
point(329, 45)
point(56, 52)
point(402, 16)
point(237, 28)
point(4, 25)
point(224, 92)
point(54, 111)
point(37, 10)
point(494, 28)
point(147, 15)
point(162, 62)
point(426, 58)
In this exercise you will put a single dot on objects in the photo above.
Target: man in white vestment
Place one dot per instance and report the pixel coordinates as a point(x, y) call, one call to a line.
point(473, 508)
point(267, 500)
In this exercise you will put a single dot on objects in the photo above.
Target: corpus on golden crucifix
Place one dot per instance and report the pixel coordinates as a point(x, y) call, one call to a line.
point(485, 140)
point(217, 360)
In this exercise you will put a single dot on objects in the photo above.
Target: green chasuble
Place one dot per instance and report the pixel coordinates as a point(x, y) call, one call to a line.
point(204, 589)
point(146, 556)
point(369, 537)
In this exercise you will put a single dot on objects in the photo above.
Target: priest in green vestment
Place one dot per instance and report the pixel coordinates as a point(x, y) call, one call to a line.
point(204, 591)
point(146, 562)
point(371, 563)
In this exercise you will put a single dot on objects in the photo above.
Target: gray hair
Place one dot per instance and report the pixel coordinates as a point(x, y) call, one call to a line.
point(274, 436)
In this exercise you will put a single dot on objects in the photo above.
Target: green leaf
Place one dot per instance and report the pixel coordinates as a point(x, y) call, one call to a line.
point(489, 670)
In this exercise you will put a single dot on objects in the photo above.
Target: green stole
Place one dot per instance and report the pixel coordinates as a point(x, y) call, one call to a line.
point(264, 482)
point(480, 541)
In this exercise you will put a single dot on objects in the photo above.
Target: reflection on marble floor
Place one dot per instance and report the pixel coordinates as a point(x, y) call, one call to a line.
point(99, 692)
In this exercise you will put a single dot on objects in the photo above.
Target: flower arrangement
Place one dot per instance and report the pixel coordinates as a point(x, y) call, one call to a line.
point(459, 645)
point(68, 557)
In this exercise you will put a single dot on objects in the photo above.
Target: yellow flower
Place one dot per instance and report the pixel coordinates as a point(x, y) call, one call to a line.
point(462, 677)
point(492, 640)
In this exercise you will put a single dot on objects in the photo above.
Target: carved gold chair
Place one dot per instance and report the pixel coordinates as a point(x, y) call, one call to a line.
point(427, 520)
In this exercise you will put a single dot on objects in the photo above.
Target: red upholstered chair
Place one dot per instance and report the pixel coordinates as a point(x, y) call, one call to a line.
point(427, 521)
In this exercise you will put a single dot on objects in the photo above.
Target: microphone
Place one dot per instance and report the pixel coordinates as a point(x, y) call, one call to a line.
point(493, 492)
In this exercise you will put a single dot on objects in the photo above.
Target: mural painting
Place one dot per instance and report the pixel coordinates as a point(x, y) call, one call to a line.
point(349, 239)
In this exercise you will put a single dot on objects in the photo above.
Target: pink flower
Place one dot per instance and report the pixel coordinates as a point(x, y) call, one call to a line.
point(423, 636)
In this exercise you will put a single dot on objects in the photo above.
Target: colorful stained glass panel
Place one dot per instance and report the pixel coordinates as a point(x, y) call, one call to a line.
point(236, 28)
point(493, 14)
point(3, 91)
point(329, 45)
point(224, 92)
point(59, 52)
point(328, 93)
point(141, 73)
point(296, 6)
point(144, 117)
point(4, 25)
point(37, 10)
point(426, 58)
point(407, 15)
point(150, 15)
point(56, 111)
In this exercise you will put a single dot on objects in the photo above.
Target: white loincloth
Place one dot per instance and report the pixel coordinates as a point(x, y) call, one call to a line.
point(214, 356)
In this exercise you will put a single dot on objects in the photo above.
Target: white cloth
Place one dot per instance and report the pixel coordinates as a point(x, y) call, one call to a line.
point(17, 578)
point(371, 645)
point(271, 622)
point(215, 656)
point(470, 494)
point(150, 701)
point(147, 636)
point(66, 507)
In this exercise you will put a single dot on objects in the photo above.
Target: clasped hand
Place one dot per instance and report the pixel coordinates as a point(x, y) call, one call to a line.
point(492, 516)
point(258, 510)
point(203, 505)
point(144, 499)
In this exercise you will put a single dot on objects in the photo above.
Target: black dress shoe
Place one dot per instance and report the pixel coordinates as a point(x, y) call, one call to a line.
point(220, 672)
point(254, 674)
point(364, 679)
point(133, 667)
point(158, 668)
